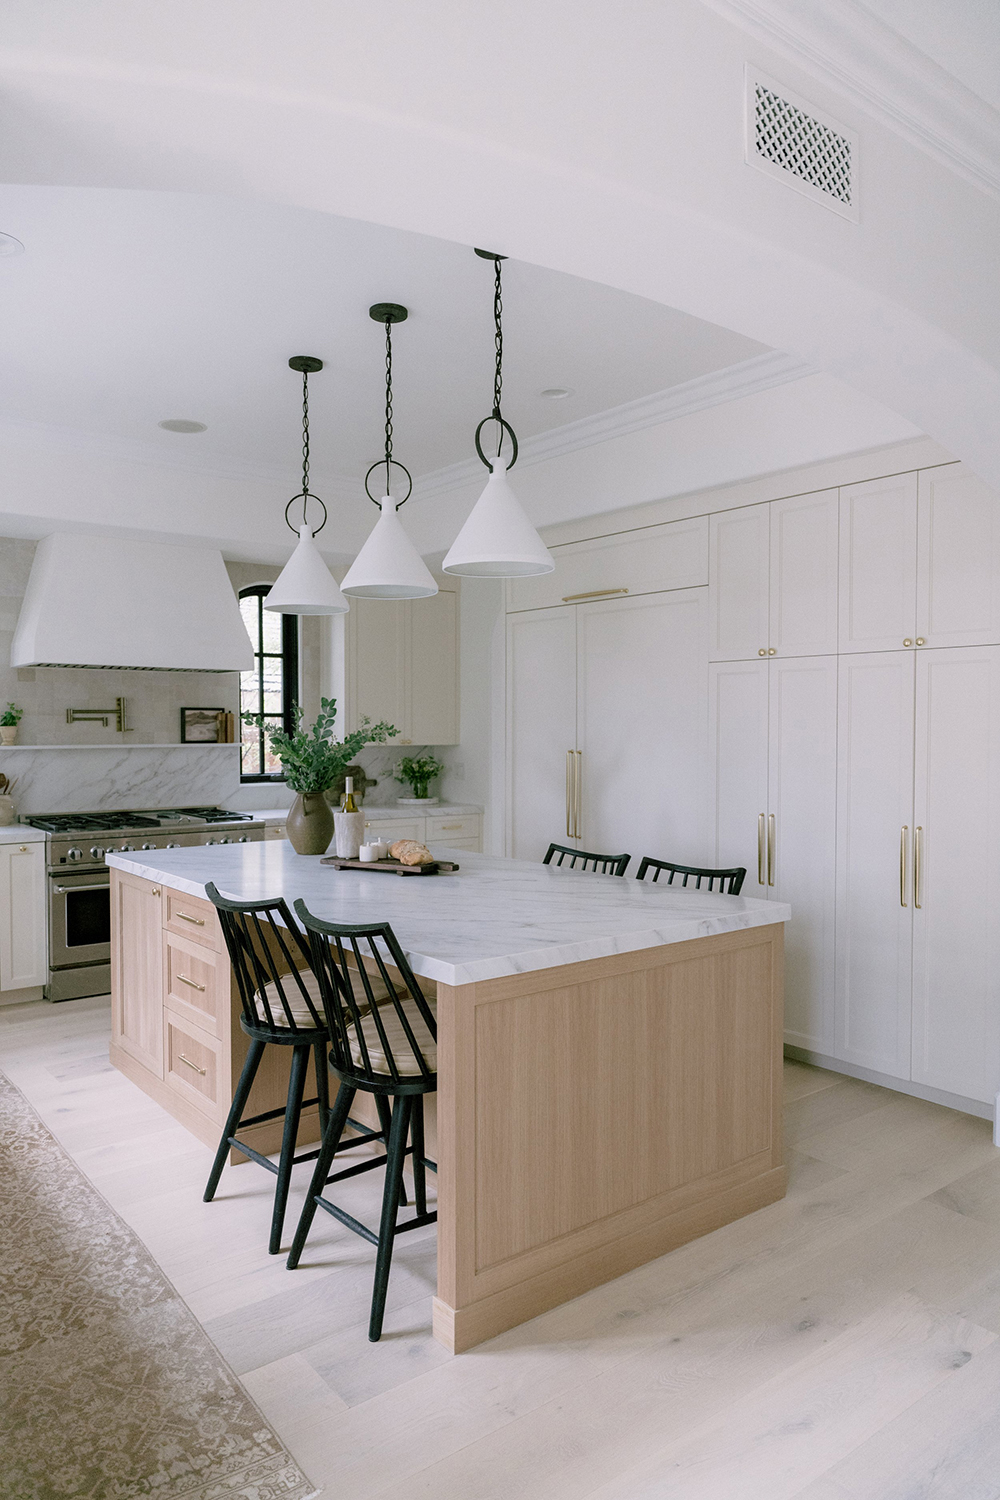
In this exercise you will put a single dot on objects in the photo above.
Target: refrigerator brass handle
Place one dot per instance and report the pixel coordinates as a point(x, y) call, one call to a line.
point(183, 1059)
point(578, 808)
point(770, 848)
point(918, 851)
point(594, 594)
point(760, 849)
point(195, 921)
point(902, 863)
point(569, 794)
point(192, 982)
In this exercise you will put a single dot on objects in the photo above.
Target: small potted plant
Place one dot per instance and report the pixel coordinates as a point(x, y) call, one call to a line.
point(311, 760)
point(9, 720)
point(417, 772)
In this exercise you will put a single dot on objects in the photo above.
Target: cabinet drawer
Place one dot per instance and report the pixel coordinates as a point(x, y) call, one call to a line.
point(644, 561)
point(193, 1061)
point(196, 983)
point(392, 829)
point(446, 830)
point(192, 918)
point(275, 831)
point(473, 845)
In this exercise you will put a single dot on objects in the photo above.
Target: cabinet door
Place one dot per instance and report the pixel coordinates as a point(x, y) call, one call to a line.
point(137, 969)
point(802, 802)
point(432, 695)
point(874, 804)
point(878, 564)
point(738, 732)
point(643, 725)
point(646, 560)
point(738, 571)
point(804, 581)
point(956, 930)
point(376, 645)
point(23, 955)
point(541, 728)
point(958, 559)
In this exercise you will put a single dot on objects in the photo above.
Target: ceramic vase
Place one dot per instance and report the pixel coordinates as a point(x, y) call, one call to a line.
point(350, 829)
point(8, 734)
point(310, 823)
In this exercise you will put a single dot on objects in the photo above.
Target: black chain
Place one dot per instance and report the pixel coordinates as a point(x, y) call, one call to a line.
point(388, 406)
point(305, 445)
point(498, 339)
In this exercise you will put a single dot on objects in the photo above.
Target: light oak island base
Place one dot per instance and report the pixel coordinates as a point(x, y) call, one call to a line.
point(594, 1116)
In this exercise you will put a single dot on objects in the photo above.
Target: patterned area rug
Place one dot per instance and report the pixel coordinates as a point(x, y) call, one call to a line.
point(109, 1388)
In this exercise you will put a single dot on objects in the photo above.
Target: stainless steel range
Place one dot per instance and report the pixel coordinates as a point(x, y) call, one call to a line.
point(79, 880)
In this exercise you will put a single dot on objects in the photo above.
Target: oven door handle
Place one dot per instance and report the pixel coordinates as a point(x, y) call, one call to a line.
point(68, 890)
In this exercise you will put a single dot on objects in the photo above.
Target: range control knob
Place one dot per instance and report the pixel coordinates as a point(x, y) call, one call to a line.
point(74, 854)
point(209, 841)
point(125, 848)
point(172, 846)
point(243, 839)
point(149, 846)
point(224, 841)
point(96, 852)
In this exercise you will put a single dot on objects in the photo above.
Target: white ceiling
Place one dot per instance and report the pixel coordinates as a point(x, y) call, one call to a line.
point(963, 37)
point(131, 307)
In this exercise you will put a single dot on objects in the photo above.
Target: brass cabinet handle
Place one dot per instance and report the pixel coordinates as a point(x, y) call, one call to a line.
point(921, 641)
point(760, 849)
point(762, 651)
point(22, 848)
point(907, 642)
point(183, 1059)
point(770, 848)
point(156, 890)
point(192, 982)
point(902, 863)
point(918, 850)
point(594, 594)
point(772, 650)
point(195, 921)
point(450, 827)
point(578, 812)
point(569, 794)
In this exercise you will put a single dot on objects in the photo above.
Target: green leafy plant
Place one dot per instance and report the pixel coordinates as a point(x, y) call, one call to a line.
point(312, 759)
point(11, 715)
point(417, 772)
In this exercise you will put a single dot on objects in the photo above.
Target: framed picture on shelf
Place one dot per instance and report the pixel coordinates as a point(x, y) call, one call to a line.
point(203, 726)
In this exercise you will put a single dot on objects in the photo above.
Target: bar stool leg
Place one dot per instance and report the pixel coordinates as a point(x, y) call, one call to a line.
point(255, 1052)
point(322, 1085)
point(396, 1160)
point(331, 1140)
point(419, 1170)
point(293, 1111)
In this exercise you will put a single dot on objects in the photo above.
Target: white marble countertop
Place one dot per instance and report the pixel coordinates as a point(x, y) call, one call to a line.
point(21, 833)
point(435, 809)
point(493, 917)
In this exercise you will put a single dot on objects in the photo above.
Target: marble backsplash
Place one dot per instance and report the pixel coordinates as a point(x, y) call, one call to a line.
point(95, 778)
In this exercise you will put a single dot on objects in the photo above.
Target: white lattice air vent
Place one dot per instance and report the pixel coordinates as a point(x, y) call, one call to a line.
point(789, 139)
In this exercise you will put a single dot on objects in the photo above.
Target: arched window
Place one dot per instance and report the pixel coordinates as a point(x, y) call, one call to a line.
point(272, 687)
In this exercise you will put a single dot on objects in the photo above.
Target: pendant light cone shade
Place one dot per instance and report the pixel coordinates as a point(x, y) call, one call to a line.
point(388, 565)
point(305, 585)
point(498, 540)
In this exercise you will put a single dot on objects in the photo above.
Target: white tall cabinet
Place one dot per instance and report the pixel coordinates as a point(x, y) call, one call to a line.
point(825, 713)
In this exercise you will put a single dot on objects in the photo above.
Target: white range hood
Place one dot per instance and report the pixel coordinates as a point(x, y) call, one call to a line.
point(97, 601)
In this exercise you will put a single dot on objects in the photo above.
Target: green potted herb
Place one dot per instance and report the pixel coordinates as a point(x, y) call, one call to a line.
point(417, 772)
point(9, 720)
point(311, 760)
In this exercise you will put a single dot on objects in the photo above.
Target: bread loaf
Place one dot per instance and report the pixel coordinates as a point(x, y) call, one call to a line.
point(409, 852)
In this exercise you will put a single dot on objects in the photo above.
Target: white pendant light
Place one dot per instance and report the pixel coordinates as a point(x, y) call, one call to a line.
point(388, 565)
point(305, 585)
point(498, 540)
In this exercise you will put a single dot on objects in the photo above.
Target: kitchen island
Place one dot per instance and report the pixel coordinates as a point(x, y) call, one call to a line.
point(609, 1052)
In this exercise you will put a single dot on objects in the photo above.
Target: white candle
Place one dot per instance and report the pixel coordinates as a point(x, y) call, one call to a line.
point(369, 853)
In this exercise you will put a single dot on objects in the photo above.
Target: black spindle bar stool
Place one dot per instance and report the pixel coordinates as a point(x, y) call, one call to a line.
point(730, 882)
point(385, 1047)
point(598, 864)
point(281, 1004)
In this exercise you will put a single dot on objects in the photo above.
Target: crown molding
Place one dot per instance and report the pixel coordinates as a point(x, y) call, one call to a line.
point(851, 51)
point(760, 373)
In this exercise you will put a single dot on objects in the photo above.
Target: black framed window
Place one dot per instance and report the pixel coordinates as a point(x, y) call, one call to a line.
point(271, 688)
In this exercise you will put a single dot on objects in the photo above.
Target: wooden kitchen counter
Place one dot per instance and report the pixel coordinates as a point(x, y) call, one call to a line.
point(609, 1052)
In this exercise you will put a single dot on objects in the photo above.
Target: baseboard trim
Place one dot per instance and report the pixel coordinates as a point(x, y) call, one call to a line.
point(885, 1080)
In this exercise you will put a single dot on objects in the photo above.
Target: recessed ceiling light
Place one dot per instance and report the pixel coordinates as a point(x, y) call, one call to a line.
point(180, 424)
point(556, 393)
point(9, 245)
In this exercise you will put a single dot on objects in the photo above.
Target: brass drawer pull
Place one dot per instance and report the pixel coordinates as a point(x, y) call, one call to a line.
point(195, 921)
point(451, 828)
point(183, 1059)
point(192, 982)
point(594, 594)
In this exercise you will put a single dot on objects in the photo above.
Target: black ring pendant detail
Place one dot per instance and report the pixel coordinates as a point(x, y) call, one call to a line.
point(496, 414)
point(380, 464)
point(305, 365)
point(388, 313)
point(506, 427)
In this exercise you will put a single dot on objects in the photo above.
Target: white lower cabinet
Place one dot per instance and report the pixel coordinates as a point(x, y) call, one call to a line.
point(773, 738)
point(23, 951)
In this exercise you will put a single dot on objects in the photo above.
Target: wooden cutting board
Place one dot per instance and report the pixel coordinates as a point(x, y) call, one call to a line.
point(390, 866)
